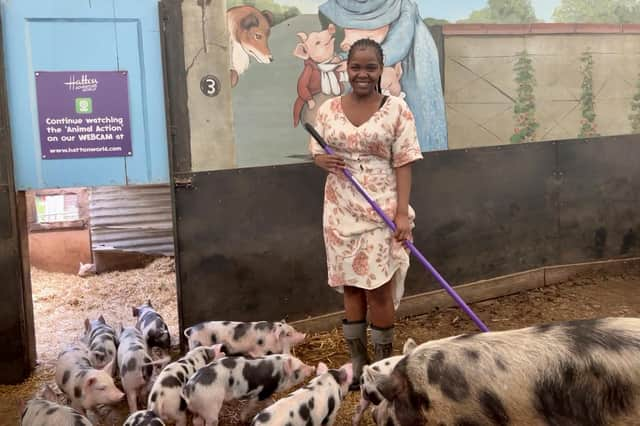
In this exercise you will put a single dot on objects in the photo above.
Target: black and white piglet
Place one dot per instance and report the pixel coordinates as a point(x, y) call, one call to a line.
point(152, 325)
point(143, 418)
point(239, 378)
point(46, 411)
point(85, 386)
point(165, 399)
point(314, 404)
point(253, 339)
point(102, 341)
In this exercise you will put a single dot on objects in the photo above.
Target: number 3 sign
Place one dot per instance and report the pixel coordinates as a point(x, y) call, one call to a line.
point(210, 85)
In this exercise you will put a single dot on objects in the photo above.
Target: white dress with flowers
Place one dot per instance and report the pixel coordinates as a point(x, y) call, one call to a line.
point(361, 250)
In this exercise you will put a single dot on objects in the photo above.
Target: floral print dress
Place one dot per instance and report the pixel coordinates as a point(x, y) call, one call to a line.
point(361, 250)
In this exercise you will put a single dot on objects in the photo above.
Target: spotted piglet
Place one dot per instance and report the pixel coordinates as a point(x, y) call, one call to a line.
point(143, 418)
point(584, 372)
point(102, 342)
point(254, 339)
point(239, 378)
point(152, 325)
point(369, 393)
point(165, 399)
point(85, 386)
point(136, 366)
point(314, 404)
point(46, 411)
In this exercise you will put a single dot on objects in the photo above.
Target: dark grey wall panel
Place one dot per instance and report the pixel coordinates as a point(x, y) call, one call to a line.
point(600, 198)
point(250, 243)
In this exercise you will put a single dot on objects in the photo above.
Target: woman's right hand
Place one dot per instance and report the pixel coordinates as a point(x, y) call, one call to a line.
point(331, 163)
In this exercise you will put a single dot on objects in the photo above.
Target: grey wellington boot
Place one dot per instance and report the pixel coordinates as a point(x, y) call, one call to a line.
point(382, 342)
point(355, 333)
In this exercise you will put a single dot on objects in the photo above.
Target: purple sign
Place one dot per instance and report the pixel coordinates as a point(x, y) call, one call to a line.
point(83, 114)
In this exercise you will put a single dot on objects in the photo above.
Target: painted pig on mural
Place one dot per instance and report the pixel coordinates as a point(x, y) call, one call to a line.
point(239, 378)
point(322, 72)
point(85, 386)
point(246, 338)
point(584, 372)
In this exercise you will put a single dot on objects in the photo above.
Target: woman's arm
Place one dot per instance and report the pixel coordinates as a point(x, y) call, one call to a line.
point(403, 182)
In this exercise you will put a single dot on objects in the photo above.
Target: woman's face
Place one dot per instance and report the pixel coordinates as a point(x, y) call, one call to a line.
point(364, 70)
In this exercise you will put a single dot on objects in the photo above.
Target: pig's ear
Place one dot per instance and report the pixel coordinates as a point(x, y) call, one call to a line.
point(389, 386)
point(135, 311)
point(109, 367)
point(87, 325)
point(49, 394)
point(288, 366)
point(90, 382)
point(101, 320)
point(321, 369)
point(398, 69)
point(149, 303)
point(409, 346)
point(301, 52)
point(302, 36)
point(268, 16)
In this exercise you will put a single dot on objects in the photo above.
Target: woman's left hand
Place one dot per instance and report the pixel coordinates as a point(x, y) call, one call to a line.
point(403, 228)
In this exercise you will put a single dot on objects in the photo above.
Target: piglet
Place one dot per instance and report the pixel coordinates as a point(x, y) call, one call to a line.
point(369, 393)
point(253, 339)
point(152, 325)
point(143, 418)
point(165, 399)
point(85, 386)
point(136, 366)
point(46, 411)
point(314, 404)
point(102, 341)
point(232, 378)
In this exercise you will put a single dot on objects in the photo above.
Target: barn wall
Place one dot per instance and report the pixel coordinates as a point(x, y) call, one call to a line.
point(250, 244)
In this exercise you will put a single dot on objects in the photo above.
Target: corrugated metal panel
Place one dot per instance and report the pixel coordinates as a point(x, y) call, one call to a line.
point(134, 218)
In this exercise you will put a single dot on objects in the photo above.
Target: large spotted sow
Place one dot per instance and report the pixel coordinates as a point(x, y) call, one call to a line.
point(239, 378)
point(165, 399)
point(314, 404)
point(574, 373)
point(253, 339)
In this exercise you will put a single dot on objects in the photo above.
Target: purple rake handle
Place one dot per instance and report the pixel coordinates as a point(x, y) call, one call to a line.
point(407, 243)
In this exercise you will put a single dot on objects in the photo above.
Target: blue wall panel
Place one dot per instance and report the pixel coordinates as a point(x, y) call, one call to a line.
point(91, 35)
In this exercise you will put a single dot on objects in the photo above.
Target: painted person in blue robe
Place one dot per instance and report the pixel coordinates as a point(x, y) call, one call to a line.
point(409, 42)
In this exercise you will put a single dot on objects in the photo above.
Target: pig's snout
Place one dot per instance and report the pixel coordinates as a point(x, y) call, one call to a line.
point(270, 57)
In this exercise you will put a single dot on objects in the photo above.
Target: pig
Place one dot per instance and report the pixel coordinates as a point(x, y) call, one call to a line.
point(85, 386)
point(46, 411)
point(136, 366)
point(254, 339)
point(390, 83)
point(322, 73)
point(232, 378)
point(582, 372)
point(86, 269)
point(368, 392)
point(152, 325)
point(102, 342)
point(316, 403)
point(143, 418)
point(164, 399)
